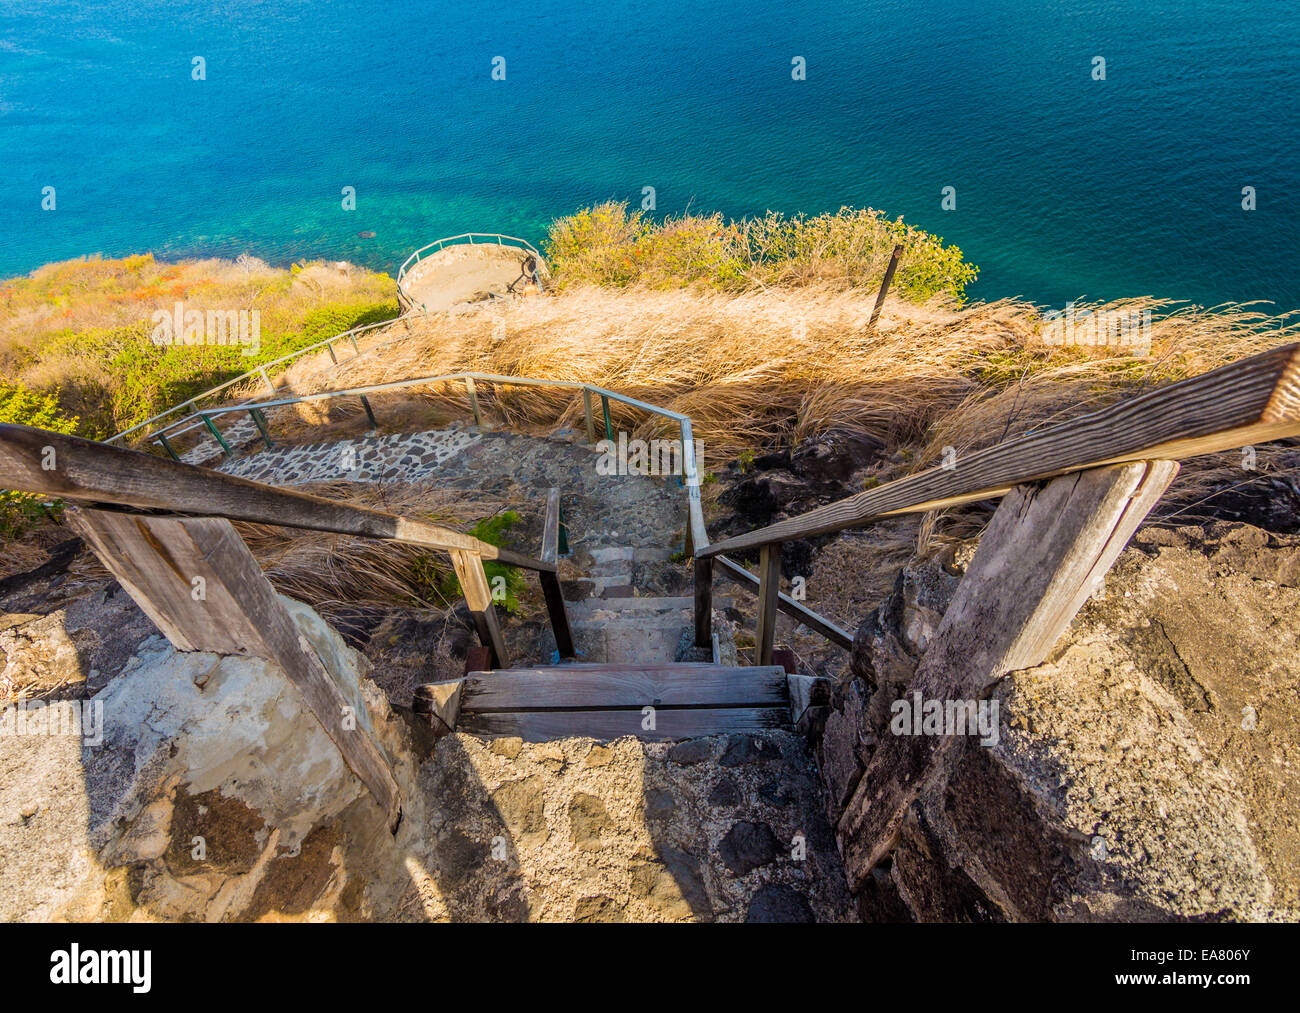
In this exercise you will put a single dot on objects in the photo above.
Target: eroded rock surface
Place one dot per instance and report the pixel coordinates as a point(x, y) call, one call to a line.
point(1148, 770)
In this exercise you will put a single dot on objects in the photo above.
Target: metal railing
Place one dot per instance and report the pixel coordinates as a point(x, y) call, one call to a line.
point(1251, 400)
point(465, 238)
point(697, 538)
point(258, 372)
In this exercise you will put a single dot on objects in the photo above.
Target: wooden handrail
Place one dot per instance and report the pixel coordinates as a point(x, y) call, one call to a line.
point(34, 460)
point(697, 533)
point(1248, 401)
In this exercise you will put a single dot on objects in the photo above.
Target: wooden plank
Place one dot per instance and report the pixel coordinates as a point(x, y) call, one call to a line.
point(703, 602)
point(164, 591)
point(551, 528)
point(797, 611)
point(97, 473)
point(769, 586)
point(439, 704)
point(561, 687)
point(478, 596)
point(244, 615)
point(558, 614)
point(1035, 566)
point(595, 666)
point(1250, 401)
point(669, 723)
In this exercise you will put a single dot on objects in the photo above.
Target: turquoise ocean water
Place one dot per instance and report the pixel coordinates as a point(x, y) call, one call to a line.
point(1066, 186)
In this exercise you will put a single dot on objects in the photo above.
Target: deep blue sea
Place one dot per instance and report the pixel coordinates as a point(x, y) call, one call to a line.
point(1065, 186)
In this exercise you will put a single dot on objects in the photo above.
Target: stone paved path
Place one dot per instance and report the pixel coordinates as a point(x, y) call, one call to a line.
point(628, 600)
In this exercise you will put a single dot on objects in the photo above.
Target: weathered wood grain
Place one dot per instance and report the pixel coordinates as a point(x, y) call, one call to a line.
point(669, 723)
point(769, 587)
point(157, 560)
point(478, 596)
point(97, 473)
point(1250, 401)
point(562, 687)
point(1036, 564)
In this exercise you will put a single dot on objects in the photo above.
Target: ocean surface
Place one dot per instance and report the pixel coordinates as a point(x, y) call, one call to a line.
point(1065, 186)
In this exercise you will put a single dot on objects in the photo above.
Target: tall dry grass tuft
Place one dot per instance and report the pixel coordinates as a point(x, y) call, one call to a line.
point(779, 366)
point(766, 368)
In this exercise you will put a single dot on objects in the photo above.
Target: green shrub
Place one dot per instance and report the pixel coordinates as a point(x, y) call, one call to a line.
point(493, 531)
point(19, 510)
point(608, 245)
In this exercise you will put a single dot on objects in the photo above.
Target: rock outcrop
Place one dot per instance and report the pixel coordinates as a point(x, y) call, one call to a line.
point(213, 794)
point(1148, 770)
point(207, 791)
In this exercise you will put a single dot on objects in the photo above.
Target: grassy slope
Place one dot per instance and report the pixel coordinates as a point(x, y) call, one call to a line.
point(79, 331)
point(757, 330)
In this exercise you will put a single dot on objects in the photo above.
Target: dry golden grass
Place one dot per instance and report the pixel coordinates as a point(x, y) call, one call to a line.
point(760, 369)
point(772, 368)
point(778, 366)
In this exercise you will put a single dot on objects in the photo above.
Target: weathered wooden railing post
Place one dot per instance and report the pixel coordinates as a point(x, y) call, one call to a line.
point(884, 285)
point(195, 578)
point(1044, 553)
point(478, 596)
point(551, 581)
point(769, 587)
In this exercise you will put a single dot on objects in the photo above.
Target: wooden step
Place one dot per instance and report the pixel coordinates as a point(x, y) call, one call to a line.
point(668, 723)
point(604, 701)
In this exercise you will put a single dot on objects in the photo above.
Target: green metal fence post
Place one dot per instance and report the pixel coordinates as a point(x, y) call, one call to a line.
point(217, 433)
point(167, 446)
point(259, 420)
point(609, 426)
point(473, 400)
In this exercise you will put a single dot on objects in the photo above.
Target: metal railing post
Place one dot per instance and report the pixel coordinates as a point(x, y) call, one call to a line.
point(217, 433)
point(259, 420)
point(374, 426)
point(609, 426)
point(167, 446)
point(586, 415)
point(473, 400)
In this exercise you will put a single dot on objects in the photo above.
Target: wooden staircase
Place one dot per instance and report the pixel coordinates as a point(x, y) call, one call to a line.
point(607, 700)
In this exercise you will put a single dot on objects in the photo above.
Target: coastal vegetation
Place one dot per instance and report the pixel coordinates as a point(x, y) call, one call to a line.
point(759, 330)
point(79, 332)
point(607, 245)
